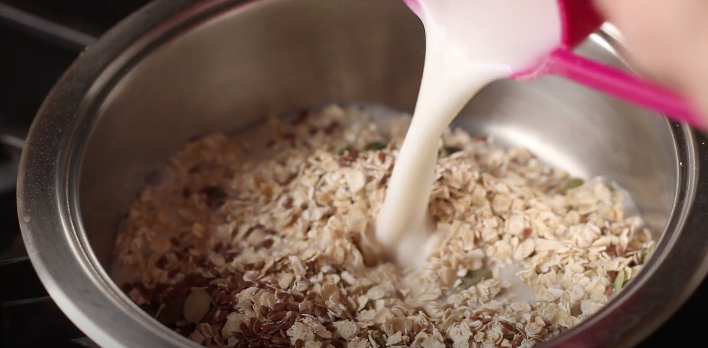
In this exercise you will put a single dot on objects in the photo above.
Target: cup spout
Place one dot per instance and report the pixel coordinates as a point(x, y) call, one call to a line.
point(414, 5)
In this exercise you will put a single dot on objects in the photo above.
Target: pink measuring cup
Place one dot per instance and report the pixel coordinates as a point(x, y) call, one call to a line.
point(580, 19)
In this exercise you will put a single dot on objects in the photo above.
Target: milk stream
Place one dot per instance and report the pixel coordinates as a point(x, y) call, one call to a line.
point(469, 43)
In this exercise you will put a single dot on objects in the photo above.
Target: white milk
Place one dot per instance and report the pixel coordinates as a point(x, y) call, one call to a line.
point(470, 43)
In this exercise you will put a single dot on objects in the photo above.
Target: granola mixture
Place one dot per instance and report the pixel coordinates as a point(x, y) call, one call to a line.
point(265, 240)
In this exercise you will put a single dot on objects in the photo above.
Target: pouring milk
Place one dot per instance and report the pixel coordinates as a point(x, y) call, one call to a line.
point(469, 43)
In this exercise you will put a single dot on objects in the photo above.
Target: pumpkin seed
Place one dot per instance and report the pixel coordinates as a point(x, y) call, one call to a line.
point(650, 251)
point(620, 280)
point(473, 278)
point(449, 150)
point(640, 257)
point(572, 183)
point(220, 282)
point(342, 150)
point(375, 146)
point(380, 338)
point(196, 306)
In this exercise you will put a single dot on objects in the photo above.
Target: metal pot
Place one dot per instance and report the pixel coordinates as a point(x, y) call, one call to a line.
point(178, 68)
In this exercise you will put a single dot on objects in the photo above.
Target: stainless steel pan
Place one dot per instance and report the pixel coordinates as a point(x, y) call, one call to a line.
point(177, 69)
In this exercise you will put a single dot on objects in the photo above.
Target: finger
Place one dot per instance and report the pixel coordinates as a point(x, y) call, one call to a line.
point(607, 7)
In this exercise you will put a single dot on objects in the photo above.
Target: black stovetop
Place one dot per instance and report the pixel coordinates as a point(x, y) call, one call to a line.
point(38, 40)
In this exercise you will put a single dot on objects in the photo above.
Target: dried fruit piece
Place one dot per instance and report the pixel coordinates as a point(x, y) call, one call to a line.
point(172, 312)
point(380, 338)
point(473, 278)
point(449, 150)
point(215, 192)
point(375, 146)
point(216, 196)
point(197, 305)
point(573, 183)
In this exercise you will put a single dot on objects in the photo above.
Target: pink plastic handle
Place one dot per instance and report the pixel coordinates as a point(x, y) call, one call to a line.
point(580, 19)
point(615, 82)
point(414, 5)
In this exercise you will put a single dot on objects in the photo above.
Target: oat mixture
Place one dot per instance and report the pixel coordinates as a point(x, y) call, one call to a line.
point(265, 240)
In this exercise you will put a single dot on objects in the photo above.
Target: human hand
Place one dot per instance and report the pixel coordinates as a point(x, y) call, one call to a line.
point(667, 39)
